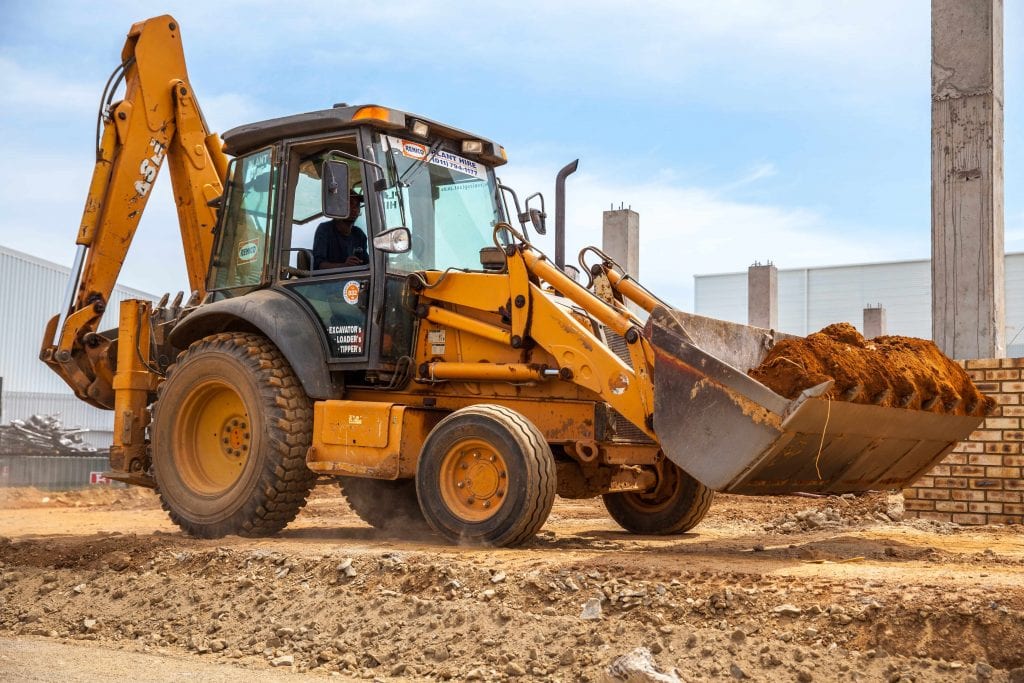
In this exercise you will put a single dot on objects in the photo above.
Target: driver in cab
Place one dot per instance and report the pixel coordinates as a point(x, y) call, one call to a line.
point(338, 242)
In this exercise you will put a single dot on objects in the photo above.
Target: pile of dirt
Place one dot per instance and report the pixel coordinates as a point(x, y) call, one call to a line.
point(741, 598)
point(421, 615)
point(889, 371)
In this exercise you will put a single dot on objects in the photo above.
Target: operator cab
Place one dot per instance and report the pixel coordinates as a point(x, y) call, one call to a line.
point(336, 208)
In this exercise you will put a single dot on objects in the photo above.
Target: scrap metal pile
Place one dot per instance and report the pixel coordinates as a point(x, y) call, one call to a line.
point(42, 435)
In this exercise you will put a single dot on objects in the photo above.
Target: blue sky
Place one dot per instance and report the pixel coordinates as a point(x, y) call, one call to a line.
point(796, 132)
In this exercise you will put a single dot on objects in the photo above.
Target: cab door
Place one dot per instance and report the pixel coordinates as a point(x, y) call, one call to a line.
point(338, 297)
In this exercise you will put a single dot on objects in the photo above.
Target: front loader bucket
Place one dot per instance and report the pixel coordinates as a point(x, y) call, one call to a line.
point(734, 434)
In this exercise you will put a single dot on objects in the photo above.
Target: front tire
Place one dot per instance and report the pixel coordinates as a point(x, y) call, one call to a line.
point(231, 428)
point(676, 505)
point(486, 476)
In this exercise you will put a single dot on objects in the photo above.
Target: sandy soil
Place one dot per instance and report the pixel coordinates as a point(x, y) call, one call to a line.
point(764, 589)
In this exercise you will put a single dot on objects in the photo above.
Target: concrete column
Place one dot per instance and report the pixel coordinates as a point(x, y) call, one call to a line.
point(763, 296)
point(874, 322)
point(621, 238)
point(621, 241)
point(968, 308)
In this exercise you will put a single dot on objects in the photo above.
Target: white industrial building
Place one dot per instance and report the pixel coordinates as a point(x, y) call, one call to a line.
point(31, 292)
point(811, 298)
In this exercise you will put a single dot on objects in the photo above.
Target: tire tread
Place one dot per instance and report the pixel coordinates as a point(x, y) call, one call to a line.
point(285, 481)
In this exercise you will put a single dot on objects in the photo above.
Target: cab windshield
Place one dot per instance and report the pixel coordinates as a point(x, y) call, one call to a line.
point(448, 202)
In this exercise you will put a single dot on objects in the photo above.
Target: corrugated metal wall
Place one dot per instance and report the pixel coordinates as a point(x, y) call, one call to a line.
point(31, 292)
point(810, 298)
point(52, 472)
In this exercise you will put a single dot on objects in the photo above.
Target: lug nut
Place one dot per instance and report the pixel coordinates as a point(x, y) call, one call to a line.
point(471, 500)
point(487, 504)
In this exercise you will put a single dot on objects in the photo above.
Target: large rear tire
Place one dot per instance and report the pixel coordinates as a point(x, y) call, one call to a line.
point(486, 476)
point(231, 428)
point(676, 505)
point(384, 504)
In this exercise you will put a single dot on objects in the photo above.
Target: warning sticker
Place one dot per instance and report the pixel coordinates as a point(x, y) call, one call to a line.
point(350, 292)
point(436, 339)
point(414, 150)
point(247, 250)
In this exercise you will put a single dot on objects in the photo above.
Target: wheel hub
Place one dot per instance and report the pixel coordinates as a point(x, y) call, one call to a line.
point(212, 438)
point(235, 436)
point(474, 478)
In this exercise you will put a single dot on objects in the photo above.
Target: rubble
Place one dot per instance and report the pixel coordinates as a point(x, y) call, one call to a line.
point(702, 606)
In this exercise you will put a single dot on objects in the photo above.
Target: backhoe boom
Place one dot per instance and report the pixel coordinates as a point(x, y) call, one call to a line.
point(157, 123)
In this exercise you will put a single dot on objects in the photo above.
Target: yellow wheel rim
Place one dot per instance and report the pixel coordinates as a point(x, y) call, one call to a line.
point(474, 480)
point(212, 438)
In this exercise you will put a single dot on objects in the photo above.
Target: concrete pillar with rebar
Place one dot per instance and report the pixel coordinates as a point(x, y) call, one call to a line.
point(874, 321)
point(968, 308)
point(763, 295)
point(621, 241)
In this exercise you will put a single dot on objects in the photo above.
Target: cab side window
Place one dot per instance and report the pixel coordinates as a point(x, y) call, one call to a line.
point(246, 222)
point(319, 243)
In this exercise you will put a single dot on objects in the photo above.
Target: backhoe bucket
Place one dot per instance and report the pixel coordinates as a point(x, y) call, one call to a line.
point(734, 434)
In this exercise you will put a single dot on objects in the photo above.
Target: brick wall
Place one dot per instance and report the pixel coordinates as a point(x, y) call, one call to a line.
point(982, 480)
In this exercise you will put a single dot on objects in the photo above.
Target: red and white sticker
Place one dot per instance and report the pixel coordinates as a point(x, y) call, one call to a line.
point(414, 150)
point(247, 250)
point(98, 478)
point(350, 292)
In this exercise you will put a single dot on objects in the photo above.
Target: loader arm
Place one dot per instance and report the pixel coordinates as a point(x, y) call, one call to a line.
point(158, 122)
point(581, 356)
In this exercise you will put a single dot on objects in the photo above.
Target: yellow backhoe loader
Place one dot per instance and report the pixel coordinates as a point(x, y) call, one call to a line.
point(450, 373)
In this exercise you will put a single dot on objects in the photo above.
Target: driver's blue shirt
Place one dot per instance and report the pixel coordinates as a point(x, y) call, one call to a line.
point(330, 245)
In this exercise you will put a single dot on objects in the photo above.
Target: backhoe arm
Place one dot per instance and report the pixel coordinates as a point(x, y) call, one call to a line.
point(158, 122)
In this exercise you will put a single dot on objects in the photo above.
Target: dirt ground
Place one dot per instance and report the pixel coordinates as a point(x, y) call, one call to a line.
point(799, 589)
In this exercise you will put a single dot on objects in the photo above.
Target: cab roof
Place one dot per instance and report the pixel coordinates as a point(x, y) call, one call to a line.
point(252, 136)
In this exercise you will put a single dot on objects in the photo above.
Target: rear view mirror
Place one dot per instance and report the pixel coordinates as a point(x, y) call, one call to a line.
point(393, 241)
point(538, 217)
point(334, 186)
point(538, 220)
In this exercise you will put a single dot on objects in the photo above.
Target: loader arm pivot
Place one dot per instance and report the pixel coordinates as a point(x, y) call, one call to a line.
point(157, 122)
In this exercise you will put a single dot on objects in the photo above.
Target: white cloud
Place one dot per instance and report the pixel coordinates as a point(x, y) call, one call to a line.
point(686, 230)
point(42, 89)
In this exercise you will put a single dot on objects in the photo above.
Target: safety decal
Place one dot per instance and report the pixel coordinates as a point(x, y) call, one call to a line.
point(436, 339)
point(350, 292)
